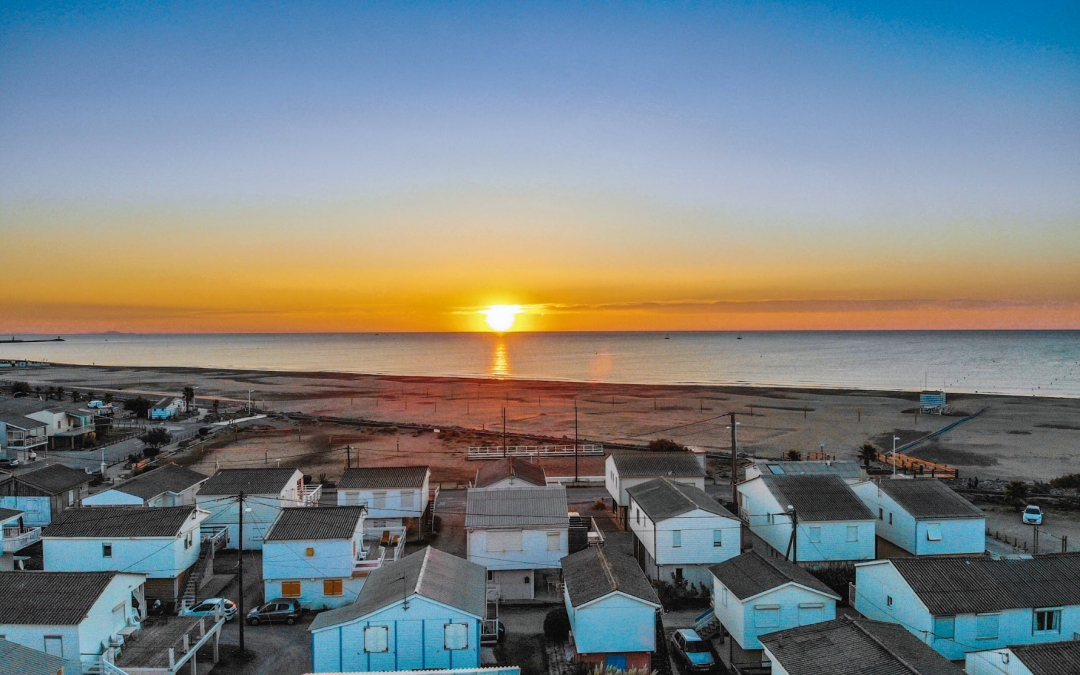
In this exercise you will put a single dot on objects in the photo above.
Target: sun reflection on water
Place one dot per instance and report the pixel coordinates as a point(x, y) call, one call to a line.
point(500, 359)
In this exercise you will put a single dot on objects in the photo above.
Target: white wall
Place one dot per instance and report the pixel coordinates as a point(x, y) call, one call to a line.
point(263, 510)
point(958, 535)
point(618, 485)
point(995, 662)
point(534, 553)
point(796, 606)
point(593, 624)
point(415, 641)
point(697, 551)
point(331, 559)
point(393, 507)
point(112, 498)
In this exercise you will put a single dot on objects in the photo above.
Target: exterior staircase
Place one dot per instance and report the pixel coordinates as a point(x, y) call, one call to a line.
point(706, 624)
point(212, 540)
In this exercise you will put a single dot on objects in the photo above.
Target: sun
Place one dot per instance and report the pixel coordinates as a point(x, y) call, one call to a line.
point(501, 317)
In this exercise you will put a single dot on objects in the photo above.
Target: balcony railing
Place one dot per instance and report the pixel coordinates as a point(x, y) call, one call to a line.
point(379, 550)
point(16, 538)
point(21, 441)
point(311, 495)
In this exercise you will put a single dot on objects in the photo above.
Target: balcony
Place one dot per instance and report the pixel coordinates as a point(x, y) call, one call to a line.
point(17, 538)
point(310, 495)
point(380, 550)
point(20, 441)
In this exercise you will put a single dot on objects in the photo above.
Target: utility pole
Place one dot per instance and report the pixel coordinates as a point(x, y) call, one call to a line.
point(240, 603)
point(734, 460)
point(793, 542)
point(894, 440)
point(1035, 547)
point(575, 443)
point(504, 431)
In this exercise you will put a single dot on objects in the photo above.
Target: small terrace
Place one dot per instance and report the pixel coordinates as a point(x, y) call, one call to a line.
point(16, 538)
point(387, 546)
point(311, 495)
point(165, 645)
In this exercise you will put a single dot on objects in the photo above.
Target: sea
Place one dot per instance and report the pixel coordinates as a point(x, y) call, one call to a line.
point(1033, 363)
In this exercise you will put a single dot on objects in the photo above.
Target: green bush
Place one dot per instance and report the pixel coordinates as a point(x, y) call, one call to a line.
point(557, 625)
point(1069, 480)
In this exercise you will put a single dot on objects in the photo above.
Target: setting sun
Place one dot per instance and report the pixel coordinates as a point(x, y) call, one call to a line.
point(501, 317)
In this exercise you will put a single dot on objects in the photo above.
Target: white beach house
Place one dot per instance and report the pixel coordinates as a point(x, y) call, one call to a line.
point(167, 485)
point(20, 436)
point(422, 612)
point(510, 472)
point(679, 531)
point(604, 590)
point(754, 594)
point(960, 605)
point(167, 408)
point(922, 516)
point(162, 543)
point(266, 492)
point(315, 556)
point(623, 470)
point(395, 496)
point(833, 523)
point(847, 470)
point(514, 532)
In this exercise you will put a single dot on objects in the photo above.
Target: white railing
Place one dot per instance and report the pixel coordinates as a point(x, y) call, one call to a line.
point(498, 452)
point(392, 551)
point(596, 537)
point(311, 495)
point(19, 541)
point(494, 591)
point(21, 441)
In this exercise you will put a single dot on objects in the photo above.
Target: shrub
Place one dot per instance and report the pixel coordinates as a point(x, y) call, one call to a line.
point(836, 576)
point(664, 445)
point(792, 456)
point(1016, 493)
point(557, 625)
point(599, 505)
point(1069, 480)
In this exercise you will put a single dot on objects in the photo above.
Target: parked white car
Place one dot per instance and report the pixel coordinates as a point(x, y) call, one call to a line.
point(1033, 515)
point(212, 606)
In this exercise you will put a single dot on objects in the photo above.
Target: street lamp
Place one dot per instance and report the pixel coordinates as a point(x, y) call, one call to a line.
point(252, 391)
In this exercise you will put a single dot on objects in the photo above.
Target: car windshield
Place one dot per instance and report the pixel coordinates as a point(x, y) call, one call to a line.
point(696, 646)
point(1033, 509)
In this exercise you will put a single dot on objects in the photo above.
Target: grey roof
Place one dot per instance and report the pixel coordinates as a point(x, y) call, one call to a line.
point(818, 498)
point(493, 472)
point(164, 402)
point(596, 572)
point(430, 573)
point(855, 647)
point(9, 513)
point(526, 507)
point(54, 479)
point(167, 478)
point(662, 498)
point(929, 498)
point(971, 585)
point(17, 420)
point(119, 522)
point(379, 477)
point(1051, 658)
point(29, 406)
point(657, 464)
point(50, 598)
point(15, 659)
point(251, 481)
point(751, 574)
point(844, 468)
point(324, 522)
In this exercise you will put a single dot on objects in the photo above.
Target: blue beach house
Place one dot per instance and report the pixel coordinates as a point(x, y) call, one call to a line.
point(425, 611)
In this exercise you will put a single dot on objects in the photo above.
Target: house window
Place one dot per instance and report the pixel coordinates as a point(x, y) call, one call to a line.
point(553, 541)
point(501, 541)
point(678, 574)
point(456, 636)
point(853, 533)
point(890, 518)
point(380, 500)
point(491, 575)
point(106, 550)
point(814, 534)
point(637, 515)
point(888, 601)
point(309, 552)
point(54, 644)
point(986, 626)
point(881, 514)
point(1048, 621)
point(331, 587)
point(407, 499)
point(71, 498)
point(717, 537)
point(290, 589)
point(187, 541)
point(723, 596)
point(944, 627)
point(767, 616)
point(811, 612)
point(933, 531)
point(375, 639)
point(676, 538)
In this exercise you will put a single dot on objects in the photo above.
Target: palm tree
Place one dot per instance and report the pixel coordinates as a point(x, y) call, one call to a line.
point(792, 456)
point(189, 397)
point(59, 393)
point(1016, 493)
point(868, 452)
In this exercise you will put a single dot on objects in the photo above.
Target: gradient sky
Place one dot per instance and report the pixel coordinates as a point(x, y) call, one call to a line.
point(360, 166)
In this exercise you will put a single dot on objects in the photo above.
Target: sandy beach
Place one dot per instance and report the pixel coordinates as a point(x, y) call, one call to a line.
point(1016, 437)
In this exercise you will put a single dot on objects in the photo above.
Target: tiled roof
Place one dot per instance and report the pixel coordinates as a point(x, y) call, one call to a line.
point(855, 647)
point(29, 406)
point(9, 513)
point(251, 481)
point(929, 498)
point(167, 478)
point(662, 498)
point(972, 585)
point(493, 472)
point(526, 507)
point(656, 464)
point(50, 598)
point(1052, 658)
point(54, 479)
point(751, 574)
point(842, 468)
point(818, 498)
point(16, 420)
point(380, 477)
point(324, 522)
point(596, 572)
point(431, 573)
point(164, 402)
point(15, 659)
point(119, 522)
